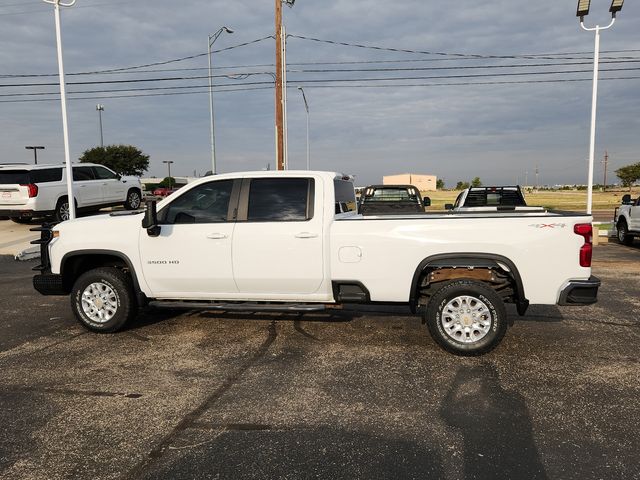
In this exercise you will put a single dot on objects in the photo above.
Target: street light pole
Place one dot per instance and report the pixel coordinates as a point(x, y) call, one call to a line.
point(35, 152)
point(168, 162)
point(63, 100)
point(583, 10)
point(306, 107)
point(211, 41)
point(100, 109)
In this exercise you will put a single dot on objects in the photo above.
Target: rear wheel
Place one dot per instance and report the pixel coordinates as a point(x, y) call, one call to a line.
point(102, 299)
point(466, 317)
point(134, 199)
point(62, 212)
point(623, 233)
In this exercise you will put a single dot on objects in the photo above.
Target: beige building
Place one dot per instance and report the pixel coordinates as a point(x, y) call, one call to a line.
point(424, 183)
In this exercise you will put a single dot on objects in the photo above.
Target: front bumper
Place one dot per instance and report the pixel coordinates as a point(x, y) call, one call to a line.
point(580, 292)
point(49, 284)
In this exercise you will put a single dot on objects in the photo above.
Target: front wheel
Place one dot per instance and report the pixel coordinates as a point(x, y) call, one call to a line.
point(466, 317)
point(623, 234)
point(102, 299)
point(134, 199)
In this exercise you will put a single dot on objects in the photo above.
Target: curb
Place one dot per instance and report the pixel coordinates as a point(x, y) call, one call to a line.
point(28, 254)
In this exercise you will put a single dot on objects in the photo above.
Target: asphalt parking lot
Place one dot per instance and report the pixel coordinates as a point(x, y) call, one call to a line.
point(352, 394)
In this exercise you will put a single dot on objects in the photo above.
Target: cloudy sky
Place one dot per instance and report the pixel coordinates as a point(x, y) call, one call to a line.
point(491, 89)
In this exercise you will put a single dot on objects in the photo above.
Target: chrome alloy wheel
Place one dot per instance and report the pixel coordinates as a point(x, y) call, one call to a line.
point(99, 302)
point(65, 213)
point(134, 200)
point(466, 319)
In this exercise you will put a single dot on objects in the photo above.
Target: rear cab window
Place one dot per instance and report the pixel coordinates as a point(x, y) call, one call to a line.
point(345, 194)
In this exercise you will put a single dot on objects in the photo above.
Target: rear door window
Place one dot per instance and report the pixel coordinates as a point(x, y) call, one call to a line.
point(280, 199)
point(81, 174)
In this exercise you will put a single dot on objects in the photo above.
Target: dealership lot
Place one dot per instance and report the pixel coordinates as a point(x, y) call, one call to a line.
point(351, 394)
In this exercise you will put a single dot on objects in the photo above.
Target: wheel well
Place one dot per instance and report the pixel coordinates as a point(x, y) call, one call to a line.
point(496, 272)
point(72, 267)
point(621, 220)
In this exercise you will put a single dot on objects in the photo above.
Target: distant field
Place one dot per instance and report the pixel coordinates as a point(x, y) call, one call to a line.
point(561, 200)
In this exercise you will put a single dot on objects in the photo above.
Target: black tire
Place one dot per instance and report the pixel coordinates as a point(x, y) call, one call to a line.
point(134, 199)
point(462, 297)
point(623, 233)
point(103, 300)
point(62, 210)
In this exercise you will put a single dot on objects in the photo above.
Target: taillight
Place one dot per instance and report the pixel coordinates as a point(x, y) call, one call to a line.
point(33, 189)
point(586, 251)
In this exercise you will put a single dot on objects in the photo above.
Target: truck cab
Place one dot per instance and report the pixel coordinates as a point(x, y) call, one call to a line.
point(626, 218)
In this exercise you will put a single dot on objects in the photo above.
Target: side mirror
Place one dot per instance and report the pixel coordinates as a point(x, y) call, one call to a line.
point(426, 202)
point(626, 199)
point(150, 220)
point(448, 206)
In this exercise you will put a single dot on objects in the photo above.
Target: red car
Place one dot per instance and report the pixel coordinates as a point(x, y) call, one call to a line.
point(163, 191)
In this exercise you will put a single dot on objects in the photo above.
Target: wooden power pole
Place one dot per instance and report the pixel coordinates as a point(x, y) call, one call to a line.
point(279, 104)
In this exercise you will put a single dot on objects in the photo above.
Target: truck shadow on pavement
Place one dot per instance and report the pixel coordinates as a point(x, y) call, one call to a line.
point(495, 426)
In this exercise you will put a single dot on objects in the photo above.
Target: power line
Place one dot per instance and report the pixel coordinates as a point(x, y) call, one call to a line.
point(293, 84)
point(397, 69)
point(447, 54)
point(200, 77)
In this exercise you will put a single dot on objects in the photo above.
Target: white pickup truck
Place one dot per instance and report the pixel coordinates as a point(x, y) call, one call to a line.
point(294, 241)
point(627, 219)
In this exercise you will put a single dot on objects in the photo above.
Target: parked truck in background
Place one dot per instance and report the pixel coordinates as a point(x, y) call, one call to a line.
point(392, 200)
point(293, 240)
point(496, 198)
point(626, 218)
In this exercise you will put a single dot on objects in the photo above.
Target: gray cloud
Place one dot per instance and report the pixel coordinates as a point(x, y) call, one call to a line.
point(496, 132)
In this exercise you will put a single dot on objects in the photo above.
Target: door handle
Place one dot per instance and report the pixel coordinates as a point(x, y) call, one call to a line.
point(306, 235)
point(216, 236)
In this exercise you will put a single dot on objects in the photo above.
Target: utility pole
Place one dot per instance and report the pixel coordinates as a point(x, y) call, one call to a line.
point(169, 162)
point(536, 177)
point(100, 109)
point(605, 163)
point(279, 106)
point(35, 152)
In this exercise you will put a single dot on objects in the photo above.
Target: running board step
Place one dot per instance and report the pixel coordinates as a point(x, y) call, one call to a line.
point(258, 307)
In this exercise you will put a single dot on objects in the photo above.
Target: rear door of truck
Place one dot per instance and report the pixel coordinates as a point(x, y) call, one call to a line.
point(278, 238)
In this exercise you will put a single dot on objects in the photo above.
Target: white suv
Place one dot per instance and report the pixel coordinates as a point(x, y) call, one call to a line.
point(31, 191)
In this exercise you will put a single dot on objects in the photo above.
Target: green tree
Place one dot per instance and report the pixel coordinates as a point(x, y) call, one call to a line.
point(462, 185)
point(629, 174)
point(122, 159)
point(439, 183)
point(476, 182)
point(167, 182)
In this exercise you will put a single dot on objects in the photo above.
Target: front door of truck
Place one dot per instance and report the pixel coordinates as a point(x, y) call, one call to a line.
point(191, 258)
point(278, 239)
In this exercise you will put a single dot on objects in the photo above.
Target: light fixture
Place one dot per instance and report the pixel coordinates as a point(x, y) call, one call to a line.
point(227, 29)
point(289, 3)
point(616, 6)
point(583, 8)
